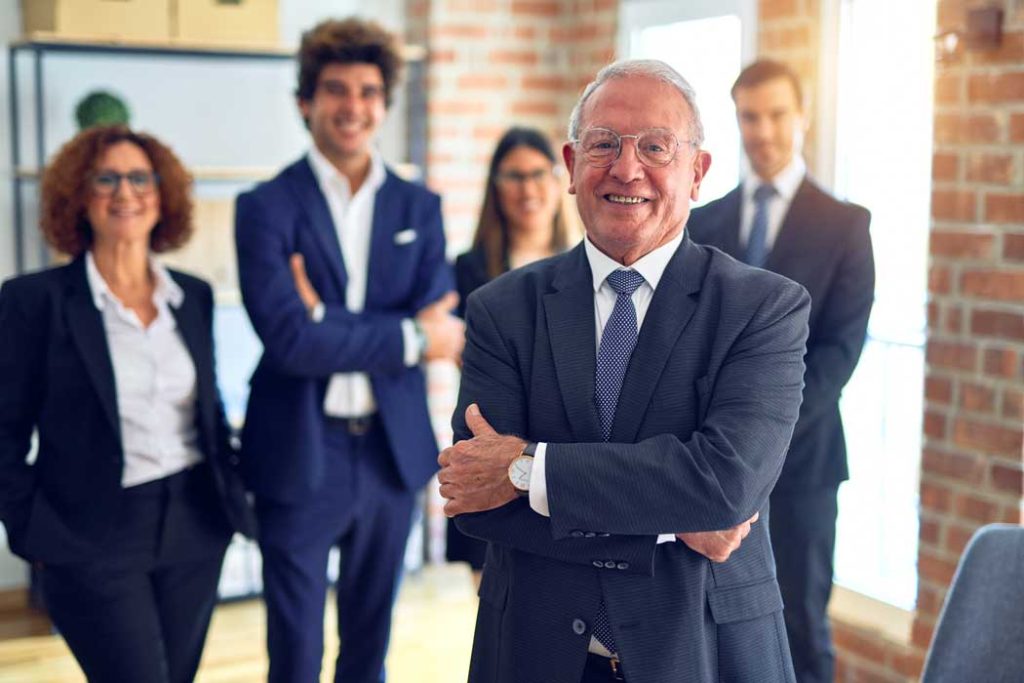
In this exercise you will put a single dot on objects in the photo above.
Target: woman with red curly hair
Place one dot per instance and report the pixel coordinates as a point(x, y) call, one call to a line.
point(131, 500)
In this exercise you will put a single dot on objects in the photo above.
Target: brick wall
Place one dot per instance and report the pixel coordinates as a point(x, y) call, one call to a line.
point(971, 464)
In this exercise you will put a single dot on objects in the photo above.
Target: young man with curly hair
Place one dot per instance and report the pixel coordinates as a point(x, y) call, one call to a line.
point(343, 274)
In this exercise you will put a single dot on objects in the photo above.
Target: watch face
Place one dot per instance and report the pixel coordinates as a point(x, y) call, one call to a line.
point(519, 472)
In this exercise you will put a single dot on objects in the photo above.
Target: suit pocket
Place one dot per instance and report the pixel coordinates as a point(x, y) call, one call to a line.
point(740, 603)
point(751, 636)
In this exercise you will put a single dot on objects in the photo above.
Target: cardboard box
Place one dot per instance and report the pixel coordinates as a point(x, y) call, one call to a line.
point(226, 22)
point(101, 19)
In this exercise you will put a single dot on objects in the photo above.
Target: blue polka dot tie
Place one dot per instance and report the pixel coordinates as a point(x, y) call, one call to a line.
point(757, 243)
point(617, 342)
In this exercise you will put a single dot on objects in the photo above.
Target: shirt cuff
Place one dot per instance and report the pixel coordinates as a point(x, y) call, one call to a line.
point(410, 343)
point(539, 482)
point(666, 538)
point(316, 314)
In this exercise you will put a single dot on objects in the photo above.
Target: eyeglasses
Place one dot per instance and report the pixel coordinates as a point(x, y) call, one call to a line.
point(519, 179)
point(654, 147)
point(105, 183)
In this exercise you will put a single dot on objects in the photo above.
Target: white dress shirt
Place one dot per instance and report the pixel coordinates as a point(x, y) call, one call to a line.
point(786, 183)
point(350, 394)
point(652, 267)
point(155, 380)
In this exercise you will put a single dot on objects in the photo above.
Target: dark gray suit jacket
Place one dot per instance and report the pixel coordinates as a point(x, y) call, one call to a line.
point(824, 245)
point(703, 421)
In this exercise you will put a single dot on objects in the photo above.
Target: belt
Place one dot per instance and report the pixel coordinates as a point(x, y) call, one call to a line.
point(609, 667)
point(356, 426)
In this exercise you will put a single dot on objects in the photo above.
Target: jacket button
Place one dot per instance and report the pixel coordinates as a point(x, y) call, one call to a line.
point(609, 564)
point(598, 563)
point(589, 534)
point(576, 533)
point(603, 534)
point(623, 565)
point(579, 627)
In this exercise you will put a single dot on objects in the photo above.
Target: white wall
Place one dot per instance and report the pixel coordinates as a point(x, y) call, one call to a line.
point(211, 112)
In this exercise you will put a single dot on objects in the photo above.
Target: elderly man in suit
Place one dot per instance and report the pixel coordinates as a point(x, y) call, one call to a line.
point(780, 220)
point(337, 439)
point(619, 404)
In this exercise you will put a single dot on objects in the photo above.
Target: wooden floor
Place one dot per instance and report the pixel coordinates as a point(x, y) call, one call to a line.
point(430, 640)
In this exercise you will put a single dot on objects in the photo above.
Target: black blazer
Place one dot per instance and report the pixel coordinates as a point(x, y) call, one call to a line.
point(704, 417)
point(471, 274)
point(56, 377)
point(823, 244)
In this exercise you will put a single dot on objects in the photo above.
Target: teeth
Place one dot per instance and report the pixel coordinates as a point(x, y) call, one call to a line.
point(621, 199)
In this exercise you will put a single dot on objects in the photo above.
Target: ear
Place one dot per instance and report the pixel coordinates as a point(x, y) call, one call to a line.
point(304, 106)
point(569, 156)
point(701, 164)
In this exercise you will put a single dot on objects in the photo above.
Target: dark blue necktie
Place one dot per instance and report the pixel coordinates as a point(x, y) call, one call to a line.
point(757, 243)
point(617, 342)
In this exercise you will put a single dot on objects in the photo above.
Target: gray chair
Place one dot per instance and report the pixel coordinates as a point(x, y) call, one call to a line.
point(980, 634)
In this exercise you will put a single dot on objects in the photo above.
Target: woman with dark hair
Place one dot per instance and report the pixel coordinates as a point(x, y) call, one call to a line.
point(521, 221)
point(131, 500)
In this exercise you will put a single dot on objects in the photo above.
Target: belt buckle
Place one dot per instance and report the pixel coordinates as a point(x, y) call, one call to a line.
point(358, 426)
point(617, 674)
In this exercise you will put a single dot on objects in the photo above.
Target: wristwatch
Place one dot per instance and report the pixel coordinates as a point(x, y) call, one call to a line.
point(520, 469)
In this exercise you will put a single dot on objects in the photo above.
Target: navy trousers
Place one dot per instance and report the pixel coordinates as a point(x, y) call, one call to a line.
point(803, 531)
point(139, 611)
point(363, 508)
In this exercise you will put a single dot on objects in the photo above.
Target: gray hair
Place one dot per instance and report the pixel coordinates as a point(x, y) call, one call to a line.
point(650, 68)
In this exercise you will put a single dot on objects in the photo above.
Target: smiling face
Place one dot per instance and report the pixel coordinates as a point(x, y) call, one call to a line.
point(630, 209)
point(527, 190)
point(772, 125)
point(126, 215)
point(347, 108)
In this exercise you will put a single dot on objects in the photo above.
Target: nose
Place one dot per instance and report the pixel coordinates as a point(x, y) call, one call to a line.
point(627, 167)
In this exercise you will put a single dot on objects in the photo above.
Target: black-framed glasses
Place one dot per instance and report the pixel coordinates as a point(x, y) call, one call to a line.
point(105, 183)
point(519, 178)
point(654, 146)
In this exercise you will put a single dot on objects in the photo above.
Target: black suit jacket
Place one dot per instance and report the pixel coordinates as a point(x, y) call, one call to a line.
point(56, 377)
point(703, 421)
point(824, 245)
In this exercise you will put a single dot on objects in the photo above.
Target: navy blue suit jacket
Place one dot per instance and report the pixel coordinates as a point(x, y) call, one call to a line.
point(283, 439)
point(57, 377)
point(703, 421)
point(824, 245)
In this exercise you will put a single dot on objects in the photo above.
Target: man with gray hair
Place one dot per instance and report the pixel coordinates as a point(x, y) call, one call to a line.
point(624, 412)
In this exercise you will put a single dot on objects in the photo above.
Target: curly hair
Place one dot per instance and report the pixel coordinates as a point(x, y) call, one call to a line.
point(348, 41)
point(66, 190)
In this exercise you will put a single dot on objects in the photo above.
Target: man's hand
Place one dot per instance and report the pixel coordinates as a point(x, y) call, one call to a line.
point(302, 284)
point(445, 333)
point(717, 546)
point(474, 472)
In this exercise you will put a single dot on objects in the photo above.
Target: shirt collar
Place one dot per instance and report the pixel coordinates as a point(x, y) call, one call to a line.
point(166, 289)
point(651, 265)
point(327, 176)
point(786, 182)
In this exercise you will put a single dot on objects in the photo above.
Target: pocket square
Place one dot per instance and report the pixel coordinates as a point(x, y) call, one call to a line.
point(405, 236)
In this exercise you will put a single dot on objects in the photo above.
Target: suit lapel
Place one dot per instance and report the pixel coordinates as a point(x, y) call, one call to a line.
point(85, 323)
point(670, 311)
point(387, 220)
point(569, 311)
point(313, 202)
point(193, 331)
point(795, 229)
point(724, 233)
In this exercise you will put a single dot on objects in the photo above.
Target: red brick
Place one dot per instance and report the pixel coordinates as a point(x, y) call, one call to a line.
point(465, 107)
point(953, 319)
point(1013, 515)
point(961, 467)
point(935, 497)
point(977, 509)
point(482, 81)
point(939, 280)
point(1008, 478)
point(961, 245)
point(556, 83)
point(537, 8)
point(525, 32)
point(1006, 86)
point(1016, 127)
point(957, 537)
point(997, 169)
point(954, 205)
point(520, 57)
point(441, 56)
point(922, 632)
point(991, 284)
point(929, 531)
point(1004, 208)
point(934, 424)
point(488, 134)
point(977, 398)
point(1013, 404)
point(948, 88)
point(458, 31)
point(535, 108)
point(933, 315)
point(938, 389)
point(853, 641)
point(1009, 52)
point(935, 568)
point(1001, 363)
point(945, 166)
point(952, 355)
point(774, 9)
point(1013, 247)
point(929, 600)
point(1002, 324)
point(986, 437)
point(967, 128)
